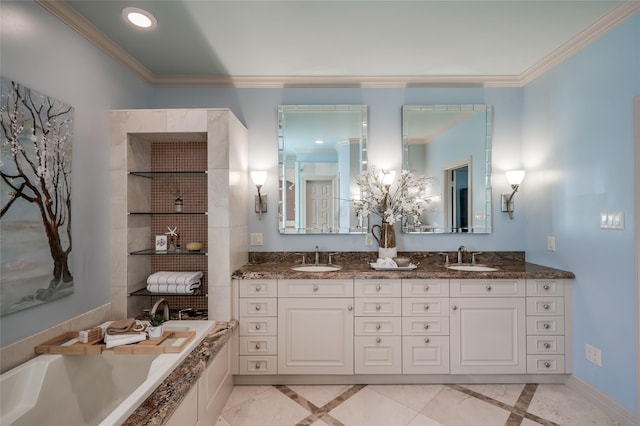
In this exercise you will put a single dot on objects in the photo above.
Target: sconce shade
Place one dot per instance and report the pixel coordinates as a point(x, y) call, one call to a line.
point(258, 177)
point(514, 177)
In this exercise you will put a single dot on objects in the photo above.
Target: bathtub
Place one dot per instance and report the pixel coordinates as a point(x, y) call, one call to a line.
point(88, 389)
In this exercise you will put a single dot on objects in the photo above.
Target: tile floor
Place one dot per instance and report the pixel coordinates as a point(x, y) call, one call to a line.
point(409, 405)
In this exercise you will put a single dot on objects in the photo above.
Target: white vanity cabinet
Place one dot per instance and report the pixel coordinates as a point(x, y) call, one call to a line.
point(258, 313)
point(425, 326)
point(488, 327)
point(315, 326)
point(377, 340)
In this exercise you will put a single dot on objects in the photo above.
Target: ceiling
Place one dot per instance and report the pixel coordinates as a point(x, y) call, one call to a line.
point(357, 43)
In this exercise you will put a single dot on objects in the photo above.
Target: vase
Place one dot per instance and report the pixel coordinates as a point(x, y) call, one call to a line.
point(386, 240)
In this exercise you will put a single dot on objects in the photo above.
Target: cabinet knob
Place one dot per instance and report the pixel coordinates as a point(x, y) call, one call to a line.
point(426, 288)
point(315, 288)
point(378, 287)
point(257, 307)
point(546, 286)
point(258, 288)
point(488, 287)
point(454, 307)
point(257, 365)
point(257, 326)
point(427, 340)
point(378, 340)
point(378, 307)
point(547, 364)
point(378, 326)
point(426, 326)
point(350, 308)
point(426, 307)
point(258, 346)
point(546, 307)
point(547, 345)
point(546, 325)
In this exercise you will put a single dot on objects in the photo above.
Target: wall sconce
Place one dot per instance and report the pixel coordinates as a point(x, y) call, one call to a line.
point(514, 177)
point(261, 200)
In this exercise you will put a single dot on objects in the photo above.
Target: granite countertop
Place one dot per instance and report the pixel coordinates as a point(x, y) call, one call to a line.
point(510, 265)
point(159, 406)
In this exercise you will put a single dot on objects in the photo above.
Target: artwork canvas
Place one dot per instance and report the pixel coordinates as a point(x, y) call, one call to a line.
point(35, 198)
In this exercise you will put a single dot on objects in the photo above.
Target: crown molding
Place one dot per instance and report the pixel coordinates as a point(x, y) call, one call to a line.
point(77, 22)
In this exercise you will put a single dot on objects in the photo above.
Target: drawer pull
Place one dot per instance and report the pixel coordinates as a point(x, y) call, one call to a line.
point(378, 287)
point(488, 287)
point(546, 325)
point(547, 345)
point(315, 288)
point(426, 288)
point(257, 366)
point(426, 326)
point(257, 326)
point(258, 288)
point(378, 340)
point(257, 307)
point(546, 286)
point(426, 307)
point(258, 346)
point(546, 307)
point(454, 307)
point(378, 307)
point(427, 340)
point(350, 308)
point(547, 364)
point(378, 326)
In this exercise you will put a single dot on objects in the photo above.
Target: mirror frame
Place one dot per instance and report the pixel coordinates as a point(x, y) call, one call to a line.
point(479, 199)
point(356, 225)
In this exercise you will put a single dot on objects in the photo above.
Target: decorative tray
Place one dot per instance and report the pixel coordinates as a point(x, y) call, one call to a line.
point(411, 267)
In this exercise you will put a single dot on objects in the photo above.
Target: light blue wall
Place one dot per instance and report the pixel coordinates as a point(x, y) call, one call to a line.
point(40, 52)
point(578, 152)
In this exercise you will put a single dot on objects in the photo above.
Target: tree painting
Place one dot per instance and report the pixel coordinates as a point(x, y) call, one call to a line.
point(35, 198)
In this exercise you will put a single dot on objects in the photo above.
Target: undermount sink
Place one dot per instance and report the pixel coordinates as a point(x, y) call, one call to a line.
point(472, 268)
point(316, 268)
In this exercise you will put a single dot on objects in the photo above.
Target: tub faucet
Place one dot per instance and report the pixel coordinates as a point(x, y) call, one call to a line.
point(317, 259)
point(165, 313)
point(461, 251)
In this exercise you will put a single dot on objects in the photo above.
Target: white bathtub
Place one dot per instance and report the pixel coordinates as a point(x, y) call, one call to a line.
point(87, 389)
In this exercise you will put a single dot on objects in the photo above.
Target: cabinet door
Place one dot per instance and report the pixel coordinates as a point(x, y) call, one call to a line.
point(378, 355)
point(488, 336)
point(315, 336)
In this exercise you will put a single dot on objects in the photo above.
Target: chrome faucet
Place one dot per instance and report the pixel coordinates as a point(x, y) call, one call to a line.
point(461, 251)
point(317, 258)
point(165, 313)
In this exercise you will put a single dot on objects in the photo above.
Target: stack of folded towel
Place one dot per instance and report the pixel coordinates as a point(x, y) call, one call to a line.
point(124, 332)
point(386, 263)
point(174, 282)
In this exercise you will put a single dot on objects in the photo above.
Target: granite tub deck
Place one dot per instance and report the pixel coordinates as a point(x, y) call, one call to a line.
point(159, 406)
point(430, 265)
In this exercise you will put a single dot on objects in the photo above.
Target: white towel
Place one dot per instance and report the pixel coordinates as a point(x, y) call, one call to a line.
point(173, 288)
point(167, 277)
point(386, 263)
point(113, 340)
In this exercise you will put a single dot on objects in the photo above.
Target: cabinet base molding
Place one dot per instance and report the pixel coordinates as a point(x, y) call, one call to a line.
point(612, 408)
point(399, 379)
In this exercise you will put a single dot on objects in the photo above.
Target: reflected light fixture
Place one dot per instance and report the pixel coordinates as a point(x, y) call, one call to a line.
point(259, 177)
point(388, 176)
point(140, 18)
point(514, 177)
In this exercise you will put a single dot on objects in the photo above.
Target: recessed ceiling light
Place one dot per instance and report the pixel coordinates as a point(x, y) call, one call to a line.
point(139, 17)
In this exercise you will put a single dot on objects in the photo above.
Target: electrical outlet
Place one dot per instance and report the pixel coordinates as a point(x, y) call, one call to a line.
point(256, 239)
point(551, 243)
point(593, 355)
point(368, 239)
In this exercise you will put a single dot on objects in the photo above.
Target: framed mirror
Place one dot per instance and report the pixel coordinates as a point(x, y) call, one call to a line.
point(322, 150)
point(452, 145)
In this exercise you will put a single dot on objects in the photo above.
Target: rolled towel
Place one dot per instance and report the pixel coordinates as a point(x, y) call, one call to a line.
point(167, 277)
point(125, 326)
point(112, 341)
point(173, 288)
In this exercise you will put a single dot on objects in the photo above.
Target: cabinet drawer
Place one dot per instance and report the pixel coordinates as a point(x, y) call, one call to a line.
point(425, 288)
point(377, 326)
point(419, 326)
point(545, 288)
point(487, 288)
point(545, 364)
point(425, 355)
point(378, 288)
point(263, 326)
point(315, 288)
point(256, 364)
point(265, 307)
point(412, 307)
point(377, 355)
point(545, 305)
point(545, 325)
point(258, 288)
point(263, 345)
point(553, 345)
point(378, 307)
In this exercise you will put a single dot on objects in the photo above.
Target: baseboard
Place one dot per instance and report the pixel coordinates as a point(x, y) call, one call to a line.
point(616, 411)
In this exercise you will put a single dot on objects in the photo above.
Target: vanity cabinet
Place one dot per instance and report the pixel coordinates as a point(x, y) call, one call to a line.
point(488, 327)
point(377, 341)
point(315, 326)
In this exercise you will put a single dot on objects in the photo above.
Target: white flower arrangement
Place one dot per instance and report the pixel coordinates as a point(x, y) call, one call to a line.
point(406, 199)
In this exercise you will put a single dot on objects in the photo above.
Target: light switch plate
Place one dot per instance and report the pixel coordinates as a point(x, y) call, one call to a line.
point(612, 220)
point(551, 243)
point(256, 239)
